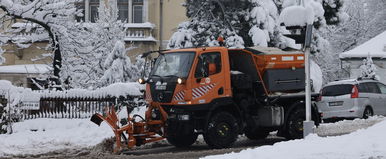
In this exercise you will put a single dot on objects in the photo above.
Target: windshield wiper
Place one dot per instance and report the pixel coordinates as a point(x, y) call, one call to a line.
point(172, 76)
point(157, 76)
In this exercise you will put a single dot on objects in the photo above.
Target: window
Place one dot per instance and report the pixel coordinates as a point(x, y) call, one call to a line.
point(382, 87)
point(133, 8)
point(337, 90)
point(205, 62)
point(137, 11)
point(372, 87)
point(80, 6)
point(362, 88)
point(94, 4)
point(123, 10)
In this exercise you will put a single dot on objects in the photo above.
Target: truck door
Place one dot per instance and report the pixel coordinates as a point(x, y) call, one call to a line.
point(209, 78)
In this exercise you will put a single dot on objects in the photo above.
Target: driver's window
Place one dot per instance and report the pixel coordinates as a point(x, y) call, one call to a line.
point(208, 64)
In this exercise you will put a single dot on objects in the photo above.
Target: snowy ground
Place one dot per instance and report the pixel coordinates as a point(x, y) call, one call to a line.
point(51, 135)
point(361, 144)
point(39, 136)
point(56, 135)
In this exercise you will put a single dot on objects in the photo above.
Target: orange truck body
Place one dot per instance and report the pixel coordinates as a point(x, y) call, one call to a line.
point(249, 91)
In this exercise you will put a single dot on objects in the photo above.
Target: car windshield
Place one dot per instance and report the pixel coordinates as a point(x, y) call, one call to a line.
point(337, 90)
point(173, 64)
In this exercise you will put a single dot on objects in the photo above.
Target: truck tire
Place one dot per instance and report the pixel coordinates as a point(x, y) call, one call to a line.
point(222, 130)
point(256, 134)
point(295, 124)
point(182, 140)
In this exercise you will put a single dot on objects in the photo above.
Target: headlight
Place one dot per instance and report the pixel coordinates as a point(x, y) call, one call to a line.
point(141, 81)
point(183, 117)
point(180, 81)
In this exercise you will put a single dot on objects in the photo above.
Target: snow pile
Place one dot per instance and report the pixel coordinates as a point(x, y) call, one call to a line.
point(364, 143)
point(346, 126)
point(52, 134)
point(376, 47)
point(297, 16)
point(28, 68)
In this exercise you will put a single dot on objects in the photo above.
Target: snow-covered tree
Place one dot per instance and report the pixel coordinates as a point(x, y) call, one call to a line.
point(210, 19)
point(88, 45)
point(52, 15)
point(182, 38)
point(368, 69)
point(118, 65)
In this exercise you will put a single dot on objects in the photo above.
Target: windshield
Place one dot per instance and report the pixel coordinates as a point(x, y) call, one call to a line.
point(173, 64)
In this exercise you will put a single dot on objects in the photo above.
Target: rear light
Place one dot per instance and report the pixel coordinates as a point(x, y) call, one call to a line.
point(354, 92)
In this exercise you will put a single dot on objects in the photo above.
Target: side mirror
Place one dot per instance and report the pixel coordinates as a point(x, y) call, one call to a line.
point(212, 68)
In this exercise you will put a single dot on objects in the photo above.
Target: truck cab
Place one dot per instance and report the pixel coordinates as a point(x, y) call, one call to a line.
point(221, 93)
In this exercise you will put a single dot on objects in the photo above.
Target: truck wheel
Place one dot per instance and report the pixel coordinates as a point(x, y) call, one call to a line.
point(222, 130)
point(295, 124)
point(182, 140)
point(256, 134)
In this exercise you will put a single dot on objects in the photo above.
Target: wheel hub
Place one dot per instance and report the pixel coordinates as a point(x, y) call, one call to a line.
point(223, 130)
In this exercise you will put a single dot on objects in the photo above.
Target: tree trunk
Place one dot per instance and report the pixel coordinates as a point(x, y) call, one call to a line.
point(57, 60)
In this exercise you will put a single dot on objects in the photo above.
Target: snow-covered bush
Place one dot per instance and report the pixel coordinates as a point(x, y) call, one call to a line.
point(368, 69)
point(14, 95)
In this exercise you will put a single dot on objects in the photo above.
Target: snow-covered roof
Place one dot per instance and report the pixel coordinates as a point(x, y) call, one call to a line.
point(25, 69)
point(375, 47)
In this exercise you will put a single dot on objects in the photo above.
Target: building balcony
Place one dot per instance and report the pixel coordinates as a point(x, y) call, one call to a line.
point(135, 32)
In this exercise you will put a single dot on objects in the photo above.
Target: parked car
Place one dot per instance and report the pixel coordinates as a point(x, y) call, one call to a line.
point(352, 99)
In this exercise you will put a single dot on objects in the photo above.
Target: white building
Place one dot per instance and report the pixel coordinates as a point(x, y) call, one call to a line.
point(376, 48)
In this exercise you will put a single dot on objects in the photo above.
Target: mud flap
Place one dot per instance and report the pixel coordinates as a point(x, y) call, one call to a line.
point(96, 119)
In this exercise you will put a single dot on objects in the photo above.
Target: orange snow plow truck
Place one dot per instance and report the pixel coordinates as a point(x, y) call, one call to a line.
point(219, 93)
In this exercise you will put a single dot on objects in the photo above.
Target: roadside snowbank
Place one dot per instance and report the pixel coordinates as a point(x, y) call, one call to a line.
point(347, 126)
point(39, 136)
point(52, 134)
point(364, 143)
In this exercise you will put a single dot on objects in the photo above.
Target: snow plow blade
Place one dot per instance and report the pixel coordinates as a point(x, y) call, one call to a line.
point(134, 133)
point(96, 119)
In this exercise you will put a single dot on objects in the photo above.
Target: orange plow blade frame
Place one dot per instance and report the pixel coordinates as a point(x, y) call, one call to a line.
point(140, 132)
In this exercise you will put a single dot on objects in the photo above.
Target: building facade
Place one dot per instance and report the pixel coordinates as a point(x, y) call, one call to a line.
point(148, 27)
point(374, 48)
